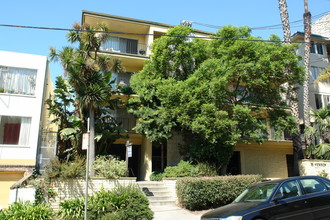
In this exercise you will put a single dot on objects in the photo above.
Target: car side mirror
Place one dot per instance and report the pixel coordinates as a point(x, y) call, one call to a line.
point(278, 197)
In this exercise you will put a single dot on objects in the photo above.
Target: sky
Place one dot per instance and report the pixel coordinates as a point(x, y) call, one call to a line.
point(62, 14)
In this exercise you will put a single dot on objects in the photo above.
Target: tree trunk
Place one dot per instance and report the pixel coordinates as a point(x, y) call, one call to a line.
point(307, 38)
point(91, 149)
point(297, 151)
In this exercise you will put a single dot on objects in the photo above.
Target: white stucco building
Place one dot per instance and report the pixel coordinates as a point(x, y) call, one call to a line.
point(24, 85)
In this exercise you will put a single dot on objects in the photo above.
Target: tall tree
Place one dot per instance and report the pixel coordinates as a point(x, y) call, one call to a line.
point(88, 72)
point(307, 39)
point(293, 97)
point(214, 92)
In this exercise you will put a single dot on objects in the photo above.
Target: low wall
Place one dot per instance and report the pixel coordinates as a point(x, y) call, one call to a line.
point(314, 167)
point(75, 188)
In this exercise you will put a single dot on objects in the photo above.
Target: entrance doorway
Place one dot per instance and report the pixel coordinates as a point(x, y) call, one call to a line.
point(234, 165)
point(119, 151)
point(159, 156)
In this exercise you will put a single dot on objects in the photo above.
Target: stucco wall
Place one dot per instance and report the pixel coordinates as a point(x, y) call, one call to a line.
point(173, 155)
point(7, 179)
point(322, 26)
point(76, 188)
point(314, 167)
point(267, 159)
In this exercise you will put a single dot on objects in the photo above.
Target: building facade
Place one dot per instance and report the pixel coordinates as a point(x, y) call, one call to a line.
point(130, 42)
point(24, 85)
point(319, 95)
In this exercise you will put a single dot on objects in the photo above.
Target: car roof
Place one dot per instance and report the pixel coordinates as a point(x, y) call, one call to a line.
point(277, 181)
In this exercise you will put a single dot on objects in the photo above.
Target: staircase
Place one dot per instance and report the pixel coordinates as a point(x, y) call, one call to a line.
point(158, 193)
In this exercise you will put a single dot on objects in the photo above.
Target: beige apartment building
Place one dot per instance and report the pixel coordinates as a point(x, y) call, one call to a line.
point(130, 42)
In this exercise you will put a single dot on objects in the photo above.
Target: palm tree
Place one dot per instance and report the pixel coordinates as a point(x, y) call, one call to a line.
point(89, 74)
point(297, 150)
point(324, 76)
point(307, 38)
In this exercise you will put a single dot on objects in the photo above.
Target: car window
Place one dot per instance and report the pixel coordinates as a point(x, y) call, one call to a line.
point(256, 193)
point(312, 185)
point(327, 184)
point(288, 190)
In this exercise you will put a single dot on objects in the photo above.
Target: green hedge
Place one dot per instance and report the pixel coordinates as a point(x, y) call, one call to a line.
point(121, 203)
point(27, 211)
point(212, 192)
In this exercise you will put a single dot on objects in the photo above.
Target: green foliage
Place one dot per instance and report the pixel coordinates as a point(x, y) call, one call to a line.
point(156, 176)
point(44, 192)
point(27, 211)
point(183, 169)
point(216, 91)
point(64, 169)
point(323, 174)
point(206, 169)
point(321, 132)
point(206, 193)
point(72, 209)
point(187, 169)
point(123, 202)
point(109, 167)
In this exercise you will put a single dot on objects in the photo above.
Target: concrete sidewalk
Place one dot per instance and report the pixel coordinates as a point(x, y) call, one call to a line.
point(173, 212)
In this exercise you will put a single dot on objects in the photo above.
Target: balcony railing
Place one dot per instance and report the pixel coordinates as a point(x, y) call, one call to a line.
point(124, 45)
point(127, 123)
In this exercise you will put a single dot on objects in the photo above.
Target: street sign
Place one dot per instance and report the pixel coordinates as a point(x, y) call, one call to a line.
point(129, 151)
point(85, 141)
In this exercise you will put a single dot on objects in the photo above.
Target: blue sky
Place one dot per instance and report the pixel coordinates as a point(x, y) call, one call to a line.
point(62, 14)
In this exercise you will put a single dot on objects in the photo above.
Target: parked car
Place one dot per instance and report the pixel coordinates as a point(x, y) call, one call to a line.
point(295, 198)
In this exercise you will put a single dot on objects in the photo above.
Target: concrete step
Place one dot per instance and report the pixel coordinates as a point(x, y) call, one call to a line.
point(161, 203)
point(160, 198)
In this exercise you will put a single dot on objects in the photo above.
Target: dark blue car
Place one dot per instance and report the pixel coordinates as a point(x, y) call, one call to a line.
point(295, 198)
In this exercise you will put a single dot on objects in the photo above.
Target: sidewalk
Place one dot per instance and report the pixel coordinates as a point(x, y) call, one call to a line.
point(171, 212)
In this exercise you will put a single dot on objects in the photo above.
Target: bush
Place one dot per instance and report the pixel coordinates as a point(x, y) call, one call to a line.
point(65, 170)
point(72, 209)
point(27, 211)
point(109, 167)
point(183, 169)
point(123, 202)
point(206, 193)
point(156, 176)
point(205, 169)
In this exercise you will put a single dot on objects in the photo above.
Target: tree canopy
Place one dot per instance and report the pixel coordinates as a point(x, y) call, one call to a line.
point(214, 92)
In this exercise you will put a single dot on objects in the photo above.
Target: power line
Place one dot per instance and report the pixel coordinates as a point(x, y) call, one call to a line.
point(147, 34)
point(270, 27)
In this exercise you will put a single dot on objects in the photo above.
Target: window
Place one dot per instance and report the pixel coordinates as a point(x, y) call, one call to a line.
point(288, 190)
point(322, 100)
point(312, 185)
point(123, 45)
point(17, 80)
point(316, 72)
point(317, 48)
point(14, 130)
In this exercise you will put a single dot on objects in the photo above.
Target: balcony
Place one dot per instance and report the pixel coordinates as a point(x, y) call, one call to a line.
point(124, 46)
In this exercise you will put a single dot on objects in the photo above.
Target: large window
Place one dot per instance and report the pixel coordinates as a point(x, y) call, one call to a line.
point(317, 48)
point(316, 72)
point(322, 100)
point(122, 45)
point(14, 130)
point(17, 80)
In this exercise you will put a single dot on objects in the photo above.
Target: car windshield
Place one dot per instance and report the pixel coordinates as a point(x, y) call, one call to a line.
point(258, 193)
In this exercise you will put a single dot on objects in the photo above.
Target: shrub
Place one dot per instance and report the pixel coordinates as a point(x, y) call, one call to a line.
point(64, 170)
point(72, 209)
point(205, 193)
point(27, 211)
point(109, 167)
point(183, 169)
point(123, 202)
point(156, 176)
point(205, 169)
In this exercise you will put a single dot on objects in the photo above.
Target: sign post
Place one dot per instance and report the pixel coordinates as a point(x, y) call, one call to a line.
point(128, 152)
point(85, 146)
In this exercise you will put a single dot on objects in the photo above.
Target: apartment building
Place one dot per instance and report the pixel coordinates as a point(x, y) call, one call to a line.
point(319, 95)
point(24, 85)
point(130, 42)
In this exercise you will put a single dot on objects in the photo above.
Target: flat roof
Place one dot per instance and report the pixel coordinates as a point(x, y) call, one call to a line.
point(116, 17)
